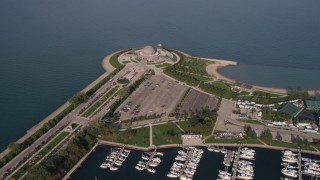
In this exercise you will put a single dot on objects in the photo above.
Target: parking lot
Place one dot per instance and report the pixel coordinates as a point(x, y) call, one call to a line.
point(157, 95)
point(196, 100)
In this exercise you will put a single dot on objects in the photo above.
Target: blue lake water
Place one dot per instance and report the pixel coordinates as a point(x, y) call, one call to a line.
point(49, 50)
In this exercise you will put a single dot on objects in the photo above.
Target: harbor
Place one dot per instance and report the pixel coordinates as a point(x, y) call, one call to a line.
point(218, 158)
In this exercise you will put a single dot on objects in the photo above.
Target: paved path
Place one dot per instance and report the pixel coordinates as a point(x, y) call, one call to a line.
point(150, 136)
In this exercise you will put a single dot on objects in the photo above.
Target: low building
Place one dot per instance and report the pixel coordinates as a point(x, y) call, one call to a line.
point(291, 110)
point(312, 104)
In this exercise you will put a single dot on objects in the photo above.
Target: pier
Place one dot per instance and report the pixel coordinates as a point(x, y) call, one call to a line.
point(229, 157)
point(235, 164)
point(186, 162)
point(117, 157)
point(150, 159)
point(299, 166)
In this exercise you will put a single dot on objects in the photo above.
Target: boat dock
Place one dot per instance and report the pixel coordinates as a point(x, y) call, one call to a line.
point(186, 162)
point(228, 158)
point(235, 164)
point(150, 159)
point(117, 156)
point(299, 166)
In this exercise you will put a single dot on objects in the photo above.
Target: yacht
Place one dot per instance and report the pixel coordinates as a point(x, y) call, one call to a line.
point(224, 172)
point(244, 176)
point(216, 149)
point(247, 150)
point(290, 159)
point(311, 172)
point(145, 157)
point(151, 170)
point(289, 173)
point(224, 151)
point(118, 163)
point(244, 162)
point(153, 164)
point(225, 176)
point(113, 168)
point(247, 156)
point(159, 153)
point(210, 148)
point(139, 168)
point(172, 175)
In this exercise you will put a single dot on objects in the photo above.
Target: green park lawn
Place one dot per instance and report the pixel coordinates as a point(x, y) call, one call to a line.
point(166, 134)
point(138, 137)
point(204, 129)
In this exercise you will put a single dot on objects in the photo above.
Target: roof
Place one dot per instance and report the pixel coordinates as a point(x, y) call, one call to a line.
point(148, 50)
point(291, 110)
point(312, 104)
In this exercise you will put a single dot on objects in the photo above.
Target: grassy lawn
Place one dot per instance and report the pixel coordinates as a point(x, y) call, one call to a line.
point(163, 65)
point(204, 129)
point(114, 61)
point(43, 152)
point(233, 141)
point(126, 62)
point(287, 145)
point(139, 137)
point(100, 102)
point(166, 134)
point(264, 94)
point(252, 121)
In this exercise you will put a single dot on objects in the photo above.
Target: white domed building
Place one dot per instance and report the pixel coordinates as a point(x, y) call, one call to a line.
point(150, 54)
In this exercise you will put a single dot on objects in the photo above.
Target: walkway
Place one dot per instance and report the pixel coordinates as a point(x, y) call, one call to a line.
point(150, 136)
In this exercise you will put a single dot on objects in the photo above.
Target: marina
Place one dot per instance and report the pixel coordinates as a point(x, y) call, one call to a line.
point(149, 161)
point(210, 167)
point(115, 159)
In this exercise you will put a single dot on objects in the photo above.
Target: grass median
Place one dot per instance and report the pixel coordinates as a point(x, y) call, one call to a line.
point(100, 102)
point(40, 155)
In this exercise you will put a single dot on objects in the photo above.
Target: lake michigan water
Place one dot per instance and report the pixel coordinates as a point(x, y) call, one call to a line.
point(50, 50)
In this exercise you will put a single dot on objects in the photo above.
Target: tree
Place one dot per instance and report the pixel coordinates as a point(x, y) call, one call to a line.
point(78, 98)
point(38, 172)
point(15, 147)
point(278, 136)
point(266, 134)
point(250, 132)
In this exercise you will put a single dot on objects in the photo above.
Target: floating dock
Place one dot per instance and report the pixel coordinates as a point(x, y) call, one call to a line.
point(150, 159)
point(235, 164)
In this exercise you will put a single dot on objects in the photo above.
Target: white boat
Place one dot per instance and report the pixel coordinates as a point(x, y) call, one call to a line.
point(311, 172)
point(246, 172)
point(113, 168)
point(153, 164)
point(247, 150)
point(104, 165)
point(289, 173)
point(225, 172)
point(139, 168)
point(244, 162)
point(184, 177)
point(151, 170)
point(210, 148)
point(224, 176)
point(118, 163)
point(224, 151)
point(289, 160)
point(244, 176)
point(216, 149)
point(145, 158)
point(171, 175)
point(159, 153)
point(156, 160)
point(246, 156)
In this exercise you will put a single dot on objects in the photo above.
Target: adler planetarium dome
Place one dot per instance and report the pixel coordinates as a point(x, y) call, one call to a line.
point(149, 54)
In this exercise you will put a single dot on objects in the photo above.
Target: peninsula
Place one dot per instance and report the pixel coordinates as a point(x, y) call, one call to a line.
point(155, 97)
